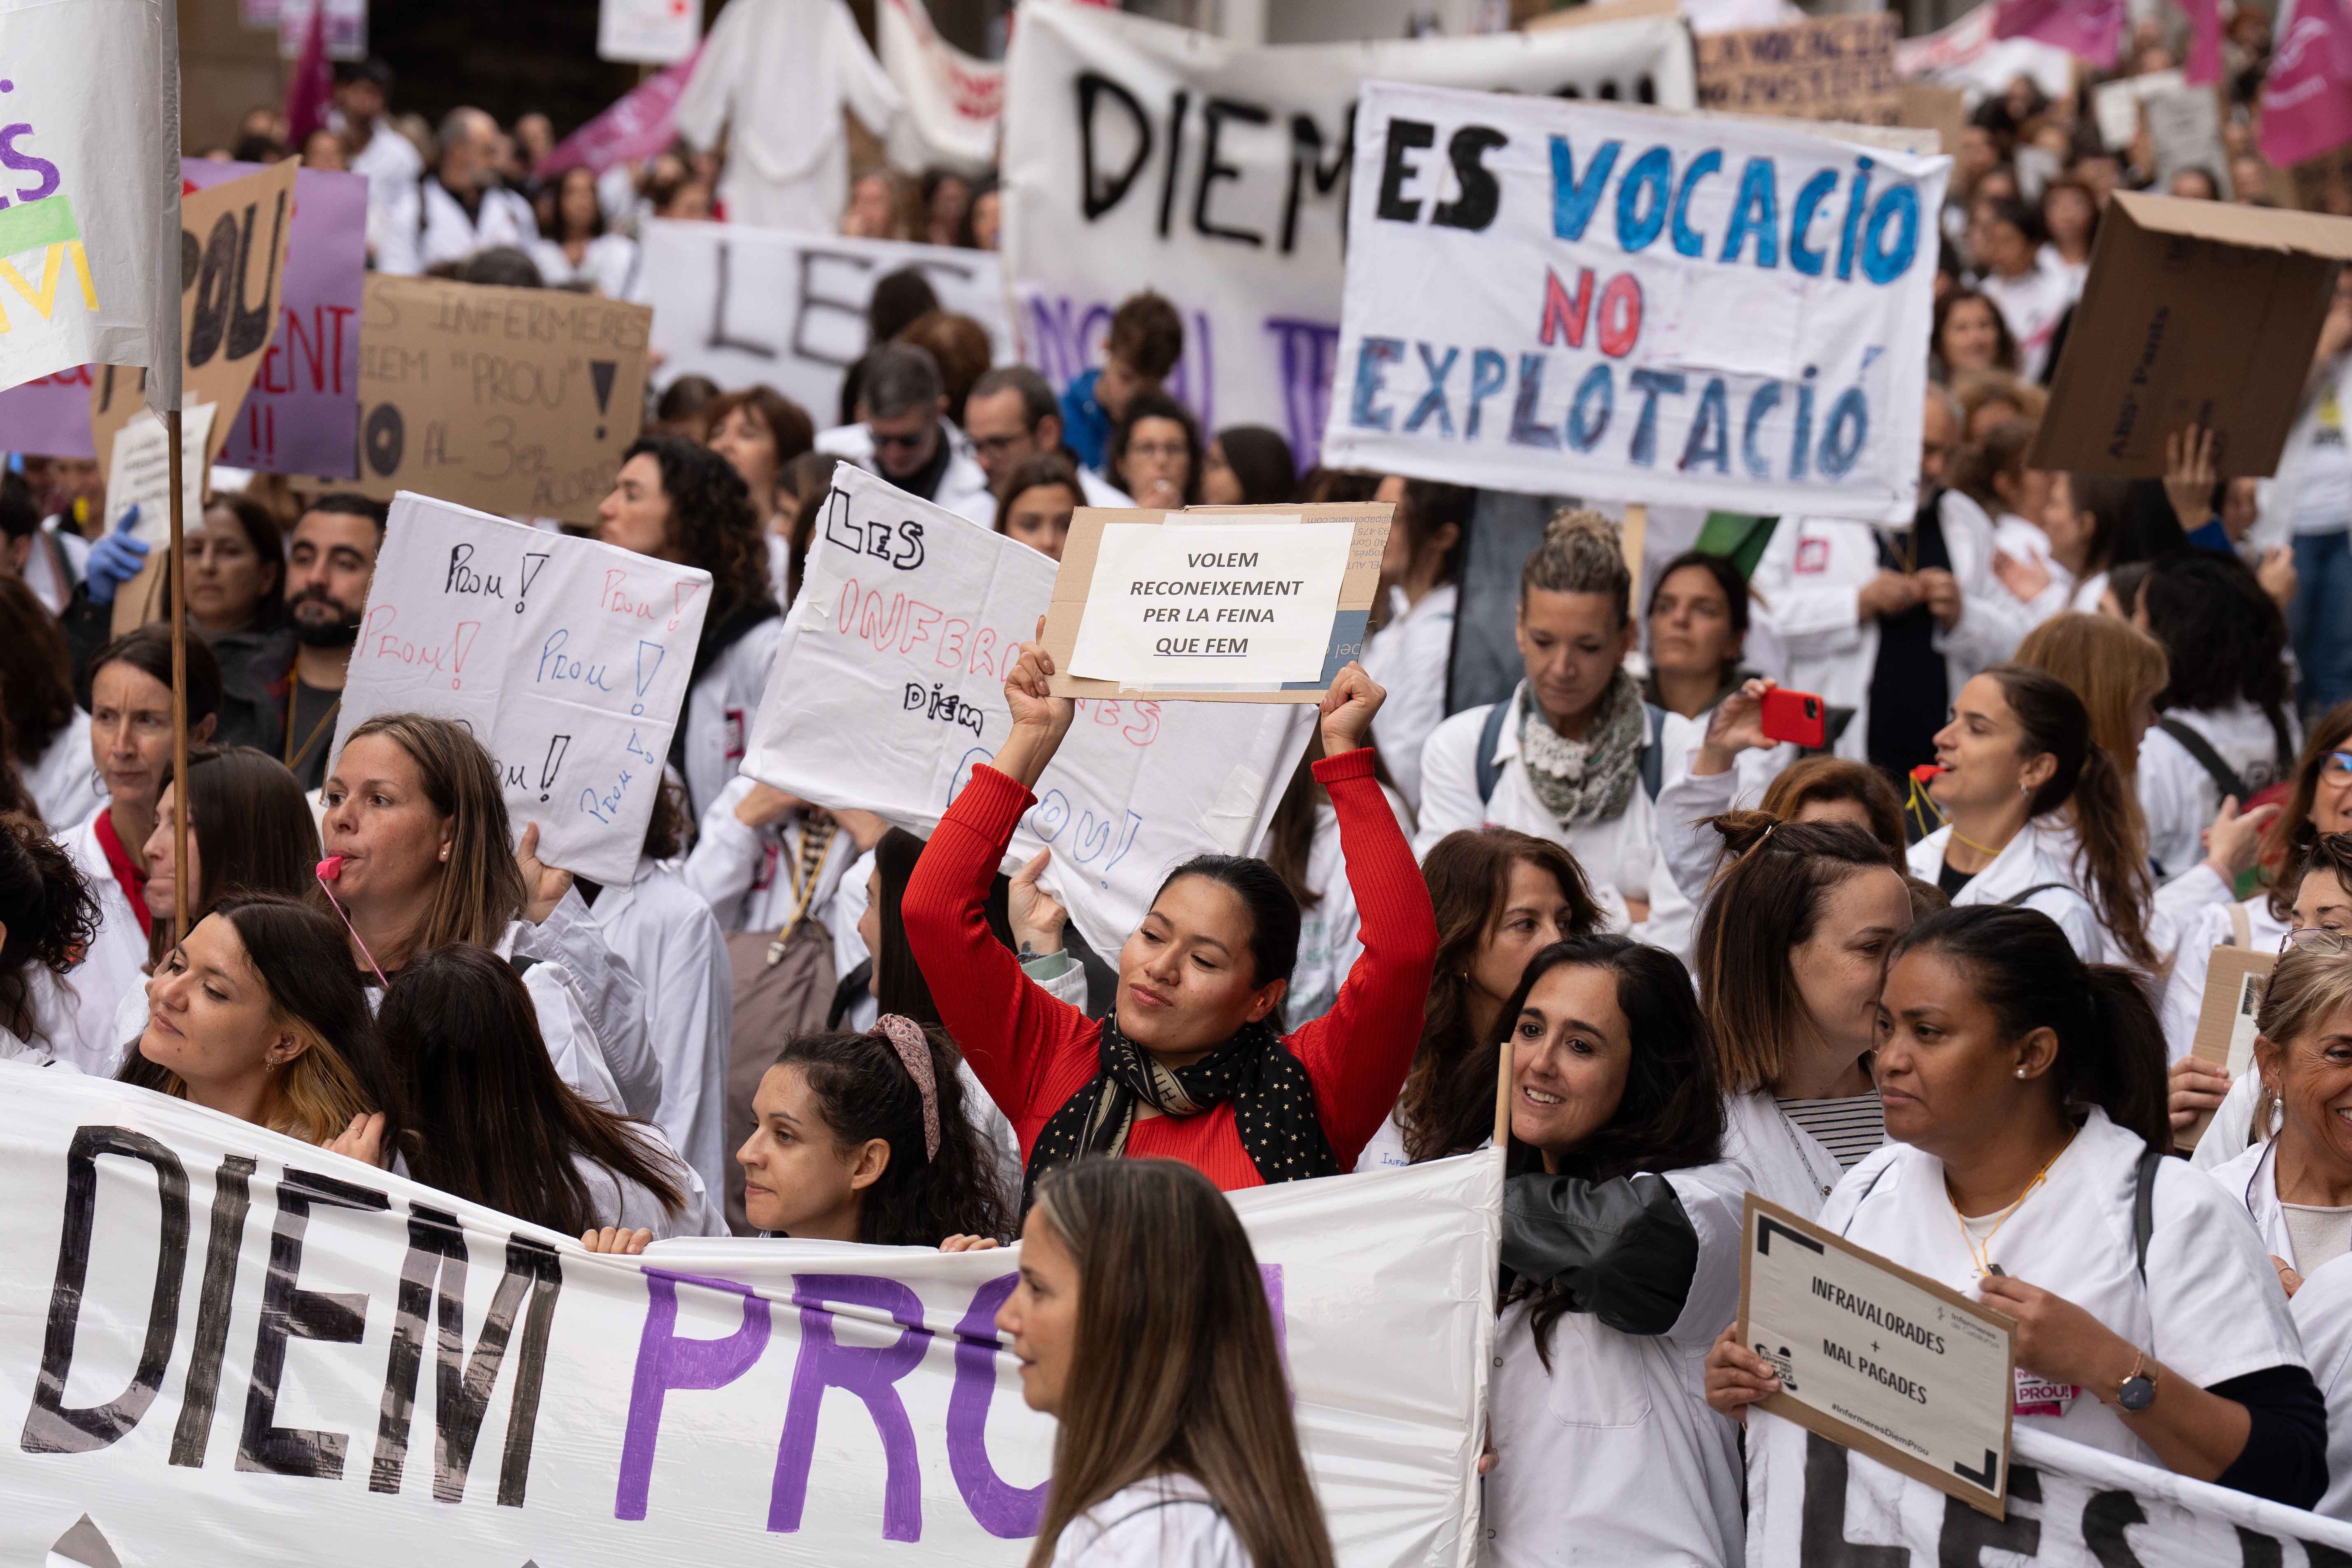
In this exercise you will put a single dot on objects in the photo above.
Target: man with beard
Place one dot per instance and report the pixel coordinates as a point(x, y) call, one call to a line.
point(330, 561)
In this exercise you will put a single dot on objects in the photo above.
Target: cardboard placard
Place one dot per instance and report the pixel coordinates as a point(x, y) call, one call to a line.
point(1943, 110)
point(1209, 596)
point(2194, 311)
point(1860, 1328)
point(1824, 67)
point(518, 401)
point(2225, 1021)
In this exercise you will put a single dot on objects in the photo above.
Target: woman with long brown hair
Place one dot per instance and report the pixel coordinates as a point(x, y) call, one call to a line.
point(49, 733)
point(47, 915)
point(1141, 1326)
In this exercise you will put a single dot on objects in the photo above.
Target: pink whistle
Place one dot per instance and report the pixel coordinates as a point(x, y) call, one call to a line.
point(330, 867)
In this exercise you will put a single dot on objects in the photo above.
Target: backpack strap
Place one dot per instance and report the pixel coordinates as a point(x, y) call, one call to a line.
point(1653, 754)
point(2144, 1207)
point(1490, 735)
point(2225, 778)
point(2017, 900)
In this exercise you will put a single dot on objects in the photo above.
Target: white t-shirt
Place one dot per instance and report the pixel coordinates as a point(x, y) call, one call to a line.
point(2323, 501)
point(2322, 1310)
point(1411, 656)
point(2211, 1308)
point(1168, 1521)
point(2031, 303)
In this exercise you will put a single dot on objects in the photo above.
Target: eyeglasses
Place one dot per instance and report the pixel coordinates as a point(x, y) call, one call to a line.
point(913, 443)
point(1171, 450)
point(997, 446)
point(2317, 939)
point(2337, 767)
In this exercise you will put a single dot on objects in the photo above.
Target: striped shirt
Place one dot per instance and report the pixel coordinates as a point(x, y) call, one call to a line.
point(1849, 1128)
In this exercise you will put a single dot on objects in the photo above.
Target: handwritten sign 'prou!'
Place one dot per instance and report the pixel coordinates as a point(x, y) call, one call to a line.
point(568, 659)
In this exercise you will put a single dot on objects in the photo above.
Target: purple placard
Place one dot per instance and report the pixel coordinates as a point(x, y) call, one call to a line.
point(49, 417)
point(302, 415)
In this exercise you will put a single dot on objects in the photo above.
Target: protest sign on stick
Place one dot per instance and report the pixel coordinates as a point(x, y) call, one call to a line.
point(513, 400)
point(710, 1400)
point(568, 659)
point(2234, 978)
point(1562, 298)
point(889, 689)
point(1824, 67)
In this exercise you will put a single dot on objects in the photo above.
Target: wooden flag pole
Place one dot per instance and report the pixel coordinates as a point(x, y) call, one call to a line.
point(184, 887)
point(1503, 1095)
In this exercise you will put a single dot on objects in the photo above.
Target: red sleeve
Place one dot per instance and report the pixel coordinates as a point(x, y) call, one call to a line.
point(1358, 1054)
point(1030, 1051)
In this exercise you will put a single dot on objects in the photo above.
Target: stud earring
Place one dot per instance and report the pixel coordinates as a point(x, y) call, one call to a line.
point(2020, 1072)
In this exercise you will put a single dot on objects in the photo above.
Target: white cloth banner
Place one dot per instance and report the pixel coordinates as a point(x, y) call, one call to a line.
point(648, 32)
point(90, 170)
point(229, 1346)
point(568, 660)
point(747, 305)
point(889, 688)
point(1811, 1502)
point(953, 100)
point(1217, 175)
point(1570, 298)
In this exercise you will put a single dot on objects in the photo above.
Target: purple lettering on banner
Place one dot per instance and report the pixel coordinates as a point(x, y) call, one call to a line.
point(1066, 340)
point(665, 1362)
point(1006, 1512)
point(1270, 1275)
point(1310, 353)
point(865, 1371)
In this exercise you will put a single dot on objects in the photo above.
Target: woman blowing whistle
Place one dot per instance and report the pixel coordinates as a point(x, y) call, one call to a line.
point(1191, 1063)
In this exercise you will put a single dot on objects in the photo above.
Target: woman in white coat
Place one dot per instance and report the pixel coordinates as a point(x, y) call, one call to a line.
point(2036, 815)
point(2024, 1097)
point(1412, 654)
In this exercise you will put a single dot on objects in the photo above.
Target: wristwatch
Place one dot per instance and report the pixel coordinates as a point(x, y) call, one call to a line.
point(2138, 1391)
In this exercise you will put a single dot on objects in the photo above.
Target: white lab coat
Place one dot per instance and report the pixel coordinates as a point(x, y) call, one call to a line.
point(2180, 799)
point(1811, 575)
point(393, 168)
point(720, 709)
point(1774, 1156)
point(667, 934)
point(2193, 959)
point(2211, 1308)
point(1330, 934)
point(1410, 658)
point(776, 75)
point(1163, 1521)
point(2041, 852)
point(609, 265)
point(2250, 1177)
point(64, 782)
point(1612, 1455)
point(742, 873)
point(2322, 1310)
point(963, 488)
point(81, 1030)
point(448, 235)
point(607, 996)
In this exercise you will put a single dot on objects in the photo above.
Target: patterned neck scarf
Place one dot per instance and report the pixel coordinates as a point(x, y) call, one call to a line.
point(1274, 1105)
point(1589, 780)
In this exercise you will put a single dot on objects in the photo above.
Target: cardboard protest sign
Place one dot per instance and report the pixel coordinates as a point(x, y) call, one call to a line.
point(1811, 1502)
point(889, 689)
point(744, 305)
point(2194, 311)
point(302, 415)
point(262, 1345)
point(2225, 1020)
point(1263, 603)
point(513, 400)
point(1824, 67)
point(1561, 298)
point(568, 659)
point(1218, 175)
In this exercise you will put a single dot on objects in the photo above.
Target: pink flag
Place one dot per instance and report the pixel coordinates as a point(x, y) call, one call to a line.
point(2088, 30)
point(311, 87)
point(639, 124)
point(2204, 40)
point(2307, 100)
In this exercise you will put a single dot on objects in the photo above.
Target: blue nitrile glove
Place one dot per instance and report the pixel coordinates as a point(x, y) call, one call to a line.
point(114, 560)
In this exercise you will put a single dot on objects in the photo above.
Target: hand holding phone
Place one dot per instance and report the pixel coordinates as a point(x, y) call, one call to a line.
point(1796, 716)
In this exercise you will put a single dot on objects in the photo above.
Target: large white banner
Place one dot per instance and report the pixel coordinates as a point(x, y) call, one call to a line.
point(90, 191)
point(568, 659)
point(1810, 1503)
point(889, 688)
point(1572, 299)
point(231, 1347)
point(1139, 154)
point(953, 100)
point(744, 305)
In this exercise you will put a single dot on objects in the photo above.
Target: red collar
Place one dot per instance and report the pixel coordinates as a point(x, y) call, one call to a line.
point(118, 860)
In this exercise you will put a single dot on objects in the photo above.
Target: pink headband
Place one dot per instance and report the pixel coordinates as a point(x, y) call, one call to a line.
point(906, 1037)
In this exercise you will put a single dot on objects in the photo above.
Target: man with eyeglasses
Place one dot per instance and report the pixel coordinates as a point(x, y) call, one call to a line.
point(903, 435)
point(1011, 416)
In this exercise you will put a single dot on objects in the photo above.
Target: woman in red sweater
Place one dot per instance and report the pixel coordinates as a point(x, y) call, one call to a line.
point(1189, 1064)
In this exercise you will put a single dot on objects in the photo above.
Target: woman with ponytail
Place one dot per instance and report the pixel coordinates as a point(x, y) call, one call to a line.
point(2025, 1109)
point(2038, 816)
point(46, 916)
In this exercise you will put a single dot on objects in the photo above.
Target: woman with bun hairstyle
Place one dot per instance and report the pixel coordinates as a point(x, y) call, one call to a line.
point(47, 916)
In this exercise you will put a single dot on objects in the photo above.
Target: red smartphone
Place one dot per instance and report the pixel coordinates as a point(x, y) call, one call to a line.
point(1798, 716)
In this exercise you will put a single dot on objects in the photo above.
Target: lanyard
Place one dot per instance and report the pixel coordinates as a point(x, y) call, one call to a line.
point(293, 690)
point(817, 843)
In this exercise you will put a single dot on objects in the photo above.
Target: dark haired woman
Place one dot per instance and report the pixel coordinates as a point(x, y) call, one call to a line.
point(574, 249)
point(1038, 501)
point(1620, 1261)
point(1698, 620)
point(1189, 1061)
point(49, 733)
point(130, 744)
point(47, 916)
point(236, 565)
point(483, 1115)
point(1412, 652)
point(676, 501)
point(1249, 465)
point(1136, 1282)
point(761, 432)
point(2025, 1107)
point(1155, 452)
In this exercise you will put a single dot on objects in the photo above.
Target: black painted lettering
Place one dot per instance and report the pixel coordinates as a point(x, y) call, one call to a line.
point(289, 1311)
point(1213, 115)
point(250, 328)
point(1306, 159)
point(1966, 1533)
point(215, 278)
point(1178, 104)
point(232, 1196)
point(1822, 1541)
point(1482, 193)
point(1097, 196)
point(816, 304)
point(721, 337)
point(1404, 137)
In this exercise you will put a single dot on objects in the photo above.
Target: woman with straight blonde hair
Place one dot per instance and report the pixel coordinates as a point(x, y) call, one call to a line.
point(417, 858)
point(1141, 1325)
point(2112, 666)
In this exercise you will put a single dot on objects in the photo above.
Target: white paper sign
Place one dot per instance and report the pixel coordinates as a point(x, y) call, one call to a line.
point(1140, 155)
point(261, 1347)
point(648, 32)
point(747, 305)
point(1563, 298)
point(568, 659)
point(889, 688)
point(1210, 606)
point(141, 473)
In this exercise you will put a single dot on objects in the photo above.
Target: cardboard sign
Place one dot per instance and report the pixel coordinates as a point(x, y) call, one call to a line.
point(140, 472)
point(568, 659)
point(1824, 67)
point(513, 400)
point(1565, 297)
point(2225, 1021)
point(1877, 1357)
point(1216, 604)
point(2198, 312)
point(889, 689)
